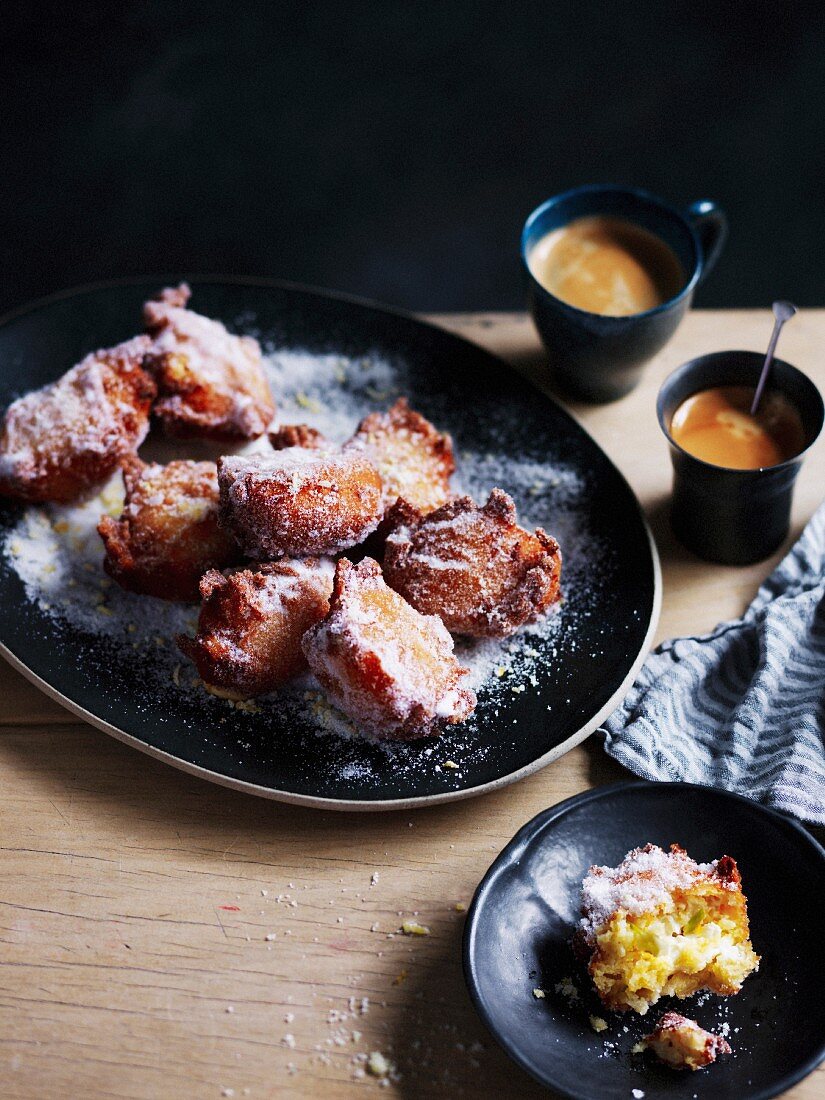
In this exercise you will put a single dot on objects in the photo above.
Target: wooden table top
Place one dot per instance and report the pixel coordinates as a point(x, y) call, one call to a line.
point(163, 937)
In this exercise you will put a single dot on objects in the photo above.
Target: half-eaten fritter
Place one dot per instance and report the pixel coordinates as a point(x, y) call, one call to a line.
point(299, 502)
point(251, 623)
point(61, 442)
point(682, 1044)
point(661, 925)
point(475, 567)
point(168, 535)
point(387, 667)
point(210, 382)
point(415, 460)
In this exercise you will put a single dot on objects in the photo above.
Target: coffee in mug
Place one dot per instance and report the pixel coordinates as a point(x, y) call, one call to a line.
point(606, 265)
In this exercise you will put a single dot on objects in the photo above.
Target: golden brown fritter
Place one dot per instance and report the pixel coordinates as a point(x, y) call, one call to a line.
point(390, 669)
point(61, 442)
point(299, 502)
point(415, 461)
point(661, 925)
point(210, 382)
point(251, 623)
point(682, 1044)
point(168, 535)
point(298, 435)
point(475, 567)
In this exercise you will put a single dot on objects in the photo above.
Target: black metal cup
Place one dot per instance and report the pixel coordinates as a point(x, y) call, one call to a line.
point(735, 516)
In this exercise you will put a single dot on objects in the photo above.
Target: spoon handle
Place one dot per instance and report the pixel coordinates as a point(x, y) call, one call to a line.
point(763, 377)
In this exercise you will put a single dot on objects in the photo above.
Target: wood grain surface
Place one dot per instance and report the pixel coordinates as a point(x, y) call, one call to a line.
point(162, 937)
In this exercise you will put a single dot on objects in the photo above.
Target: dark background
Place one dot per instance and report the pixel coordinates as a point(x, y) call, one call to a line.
point(394, 149)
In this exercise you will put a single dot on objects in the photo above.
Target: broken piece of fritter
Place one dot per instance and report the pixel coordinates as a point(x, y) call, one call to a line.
point(387, 667)
point(61, 442)
point(415, 460)
point(683, 1044)
point(660, 924)
point(475, 567)
point(249, 633)
point(168, 535)
point(299, 435)
point(210, 382)
point(299, 502)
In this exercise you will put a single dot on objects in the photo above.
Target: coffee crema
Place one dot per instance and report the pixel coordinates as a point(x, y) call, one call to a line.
point(606, 265)
point(716, 425)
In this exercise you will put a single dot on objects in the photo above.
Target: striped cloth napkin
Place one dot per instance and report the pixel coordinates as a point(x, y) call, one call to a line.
point(743, 707)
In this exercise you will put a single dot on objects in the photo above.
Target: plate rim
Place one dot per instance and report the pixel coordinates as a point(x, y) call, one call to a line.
point(517, 844)
point(315, 801)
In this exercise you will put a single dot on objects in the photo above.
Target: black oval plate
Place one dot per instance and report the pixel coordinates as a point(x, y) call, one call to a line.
point(602, 638)
point(517, 938)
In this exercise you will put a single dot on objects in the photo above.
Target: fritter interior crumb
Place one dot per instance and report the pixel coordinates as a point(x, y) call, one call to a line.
point(660, 924)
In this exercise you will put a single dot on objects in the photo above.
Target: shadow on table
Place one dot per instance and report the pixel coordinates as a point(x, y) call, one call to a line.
point(106, 796)
point(671, 551)
point(111, 780)
point(439, 1042)
point(669, 547)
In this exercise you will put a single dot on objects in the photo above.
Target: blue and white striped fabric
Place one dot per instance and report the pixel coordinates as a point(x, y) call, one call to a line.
point(744, 707)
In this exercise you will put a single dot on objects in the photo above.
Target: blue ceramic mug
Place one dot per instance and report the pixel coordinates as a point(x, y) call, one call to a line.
point(598, 358)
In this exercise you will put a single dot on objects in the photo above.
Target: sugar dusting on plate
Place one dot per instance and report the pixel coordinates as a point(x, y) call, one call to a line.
point(58, 556)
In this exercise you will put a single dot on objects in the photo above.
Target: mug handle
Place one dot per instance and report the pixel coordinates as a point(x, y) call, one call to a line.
point(711, 227)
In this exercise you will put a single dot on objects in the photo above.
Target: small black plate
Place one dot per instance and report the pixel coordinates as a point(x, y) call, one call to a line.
point(581, 673)
point(519, 927)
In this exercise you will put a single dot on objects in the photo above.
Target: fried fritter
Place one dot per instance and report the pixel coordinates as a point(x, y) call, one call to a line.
point(474, 567)
point(415, 460)
point(682, 1044)
point(390, 669)
point(210, 382)
point(299, 502)
point(659, 924)
point(251, 623)
point(298, 435)
point(61, 442)
point(168, 535)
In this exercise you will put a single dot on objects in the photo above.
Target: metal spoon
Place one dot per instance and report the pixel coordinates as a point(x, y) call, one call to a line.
point(782, 311)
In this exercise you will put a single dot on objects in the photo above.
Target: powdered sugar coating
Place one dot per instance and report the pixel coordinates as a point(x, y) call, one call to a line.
point(299, 502)
point(643, 881)
point(59, 442)
point(167, 536)
point(474, 566)
point(332, 392)
point(251, 622)
point(414, 459)
point(211, 382)
point(382, 663)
